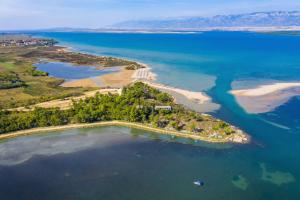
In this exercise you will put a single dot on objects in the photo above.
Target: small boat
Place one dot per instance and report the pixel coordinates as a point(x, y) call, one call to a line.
point(198, 183)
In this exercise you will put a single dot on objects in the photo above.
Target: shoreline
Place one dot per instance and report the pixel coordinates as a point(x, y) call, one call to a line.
point(265, 89)
point(245, 140)
point(199, 97)
point(119, 78)
point(197, 101)
point(125, 77)
point(142, 74)
point(266, 98)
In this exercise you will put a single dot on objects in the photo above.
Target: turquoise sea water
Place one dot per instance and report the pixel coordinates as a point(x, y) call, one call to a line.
point(141, 168)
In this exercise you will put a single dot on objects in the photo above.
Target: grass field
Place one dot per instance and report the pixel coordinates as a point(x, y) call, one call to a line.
point(15, 70)
point(7, 65)
point(21, 84)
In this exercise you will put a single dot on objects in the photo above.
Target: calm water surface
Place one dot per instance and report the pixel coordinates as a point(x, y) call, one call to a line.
point(69, 71)
point(112, 163)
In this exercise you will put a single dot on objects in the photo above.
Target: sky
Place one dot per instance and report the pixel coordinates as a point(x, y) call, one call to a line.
point(37, 14)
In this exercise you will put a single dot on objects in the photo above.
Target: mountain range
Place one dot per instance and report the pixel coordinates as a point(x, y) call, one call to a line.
point(255, 19)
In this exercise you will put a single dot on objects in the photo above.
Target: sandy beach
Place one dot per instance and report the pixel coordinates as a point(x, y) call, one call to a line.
point(198, 97)
point(144, 74)
point(117, 79)
point(147, 76)
point(124, 77)
point(266, 98)
point(265, 89)
point(87, 82)
point(120, 78)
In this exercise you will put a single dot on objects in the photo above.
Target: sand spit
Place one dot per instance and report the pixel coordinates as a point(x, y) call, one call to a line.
point(265, 89)
point(199, 97)
point(117, 79)
point(189, 99)
point(124, 77)
point(266, 98)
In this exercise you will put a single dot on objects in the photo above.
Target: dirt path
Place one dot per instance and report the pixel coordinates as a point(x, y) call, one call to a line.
point(66, 103)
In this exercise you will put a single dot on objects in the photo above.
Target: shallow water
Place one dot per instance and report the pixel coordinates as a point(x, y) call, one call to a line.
point(69, 71)
point(139, 168)
point(119, 163)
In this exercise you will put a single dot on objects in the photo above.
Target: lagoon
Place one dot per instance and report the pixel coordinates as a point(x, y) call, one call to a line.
point(69, 71)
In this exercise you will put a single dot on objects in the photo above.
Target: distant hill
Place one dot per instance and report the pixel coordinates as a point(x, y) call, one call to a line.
point(256, 19)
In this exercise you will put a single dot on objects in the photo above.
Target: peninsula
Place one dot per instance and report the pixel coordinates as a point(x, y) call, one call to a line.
point(137, 102)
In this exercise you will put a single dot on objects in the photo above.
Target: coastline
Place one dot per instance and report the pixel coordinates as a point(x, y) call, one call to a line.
point(148, 77)
point(115, 81)
point(199, 97)
point(197, 101)
point(119, 79)
point(265, 98)
point(122, 78)
point(125, 77)
point(32, 131)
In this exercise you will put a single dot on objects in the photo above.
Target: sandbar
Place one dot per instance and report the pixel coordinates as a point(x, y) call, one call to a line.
point(266, 98)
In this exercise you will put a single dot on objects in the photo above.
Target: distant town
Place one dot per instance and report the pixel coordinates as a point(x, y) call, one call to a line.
point(23, 41)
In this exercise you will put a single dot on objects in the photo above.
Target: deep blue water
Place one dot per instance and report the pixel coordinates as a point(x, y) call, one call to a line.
point(209, 62)
point(69, 71)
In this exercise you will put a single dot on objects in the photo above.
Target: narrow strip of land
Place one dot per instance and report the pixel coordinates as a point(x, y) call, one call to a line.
point(235, 139)
point(266, 98)
point(265, 89)
point(199, 97)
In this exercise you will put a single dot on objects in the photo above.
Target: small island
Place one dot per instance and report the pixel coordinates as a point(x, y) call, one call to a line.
point(28, 91)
